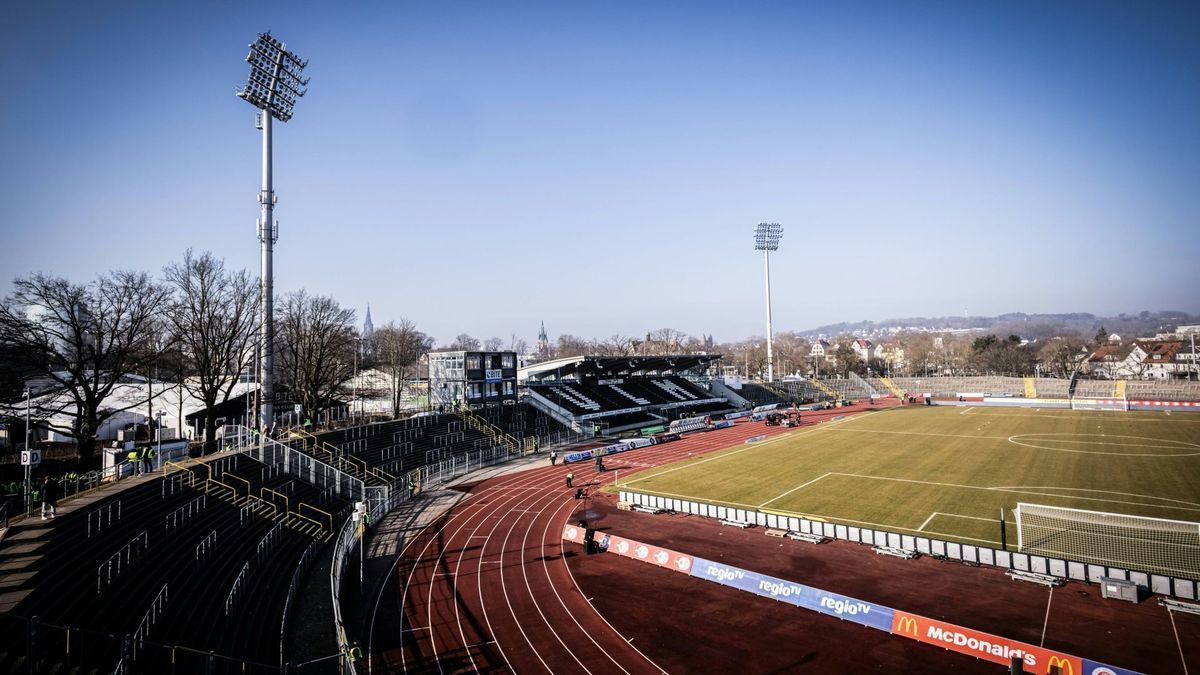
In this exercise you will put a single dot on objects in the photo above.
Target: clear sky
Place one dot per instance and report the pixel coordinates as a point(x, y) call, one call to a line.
point(479, 167)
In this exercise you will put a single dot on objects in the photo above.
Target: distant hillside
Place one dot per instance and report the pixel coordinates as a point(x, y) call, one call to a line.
point(1030, 326)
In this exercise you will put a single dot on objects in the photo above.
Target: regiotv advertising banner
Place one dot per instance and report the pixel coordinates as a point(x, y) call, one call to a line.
point(833, 604)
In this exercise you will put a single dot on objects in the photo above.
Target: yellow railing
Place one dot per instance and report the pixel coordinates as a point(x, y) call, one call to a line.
point(492, 431)
point(1030, 388)
point(896, 391)
point(305, 437)
point(359, 464)
point(825, 388)
point(182, 467)
point(229, 475)
point(328, 515)
point(210, 482)
point(286, 508)
point(320, 527)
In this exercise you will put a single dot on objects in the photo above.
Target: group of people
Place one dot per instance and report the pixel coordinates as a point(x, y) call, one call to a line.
point(142, 460)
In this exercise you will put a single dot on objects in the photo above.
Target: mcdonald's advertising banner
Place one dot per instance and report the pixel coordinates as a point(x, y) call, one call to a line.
point(805, 597)
point(994, 648)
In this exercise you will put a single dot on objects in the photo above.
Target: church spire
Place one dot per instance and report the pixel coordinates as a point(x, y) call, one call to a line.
point(368, 327)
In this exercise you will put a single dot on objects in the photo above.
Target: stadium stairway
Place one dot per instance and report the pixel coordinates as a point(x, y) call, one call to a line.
point(498, 435)
point(891, 386)
point(825, 388)
point(1030, 388)
point(173, 544)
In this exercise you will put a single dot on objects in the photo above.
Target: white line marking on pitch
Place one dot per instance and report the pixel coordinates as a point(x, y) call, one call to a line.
point(949, 515)
point(735, 450)
point(1016, 491)
point(966, 410)
point(791, 491)
point(919, 433)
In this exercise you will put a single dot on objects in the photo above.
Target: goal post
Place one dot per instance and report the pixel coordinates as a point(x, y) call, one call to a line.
point(1099, 403)
point(1139, 543)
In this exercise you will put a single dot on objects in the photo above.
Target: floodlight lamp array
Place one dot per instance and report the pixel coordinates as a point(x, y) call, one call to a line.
point(766, 236)
point(275, 80)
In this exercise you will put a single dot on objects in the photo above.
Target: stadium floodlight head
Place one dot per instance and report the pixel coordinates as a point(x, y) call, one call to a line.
point(273, 86)
point(766, 236)
point(766, 239)
point(275, 80)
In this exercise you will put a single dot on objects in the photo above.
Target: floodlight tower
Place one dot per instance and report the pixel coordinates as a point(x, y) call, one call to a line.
point(274, 84)
point(766, 239)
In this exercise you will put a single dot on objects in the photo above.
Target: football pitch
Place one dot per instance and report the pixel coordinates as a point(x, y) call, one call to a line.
point(946, 472)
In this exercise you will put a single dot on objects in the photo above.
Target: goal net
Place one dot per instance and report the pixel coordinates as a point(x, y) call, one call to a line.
point(1093, 403)
point(1139, 543)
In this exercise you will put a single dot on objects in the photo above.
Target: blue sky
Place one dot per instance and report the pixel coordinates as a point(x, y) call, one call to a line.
point(479, 167)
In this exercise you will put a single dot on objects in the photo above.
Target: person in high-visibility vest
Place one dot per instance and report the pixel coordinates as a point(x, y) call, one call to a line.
point(147, 459)
point(133, 461)
point(570, 479)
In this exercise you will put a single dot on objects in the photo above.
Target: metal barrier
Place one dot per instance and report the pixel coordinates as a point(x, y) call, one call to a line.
point(381, 500)
point(148, 621)
point(292, 461)
point(121, 560)
point(102, 517)
point(970, 554)
point(293, 589)
point(204, 548)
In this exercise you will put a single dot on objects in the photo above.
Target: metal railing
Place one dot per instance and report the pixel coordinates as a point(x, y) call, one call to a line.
point(348, 542)
point(148, 620)
point(121, 560)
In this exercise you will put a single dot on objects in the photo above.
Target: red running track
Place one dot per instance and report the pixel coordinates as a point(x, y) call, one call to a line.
point(486, 588)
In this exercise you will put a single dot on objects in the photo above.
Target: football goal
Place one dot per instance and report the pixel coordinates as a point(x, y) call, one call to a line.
point(1139, 543)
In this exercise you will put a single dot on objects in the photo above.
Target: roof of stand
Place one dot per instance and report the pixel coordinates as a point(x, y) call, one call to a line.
point(597, 367)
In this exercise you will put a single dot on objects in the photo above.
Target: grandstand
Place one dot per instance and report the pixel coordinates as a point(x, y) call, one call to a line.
point(759, 394)
point(622, 393)
point(802, 391)
point(203, 556)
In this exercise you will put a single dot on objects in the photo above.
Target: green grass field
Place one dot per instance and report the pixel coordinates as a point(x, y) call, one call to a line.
point(946, 472)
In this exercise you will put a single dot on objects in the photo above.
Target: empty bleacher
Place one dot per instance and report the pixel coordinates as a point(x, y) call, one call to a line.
point(628, 402)
point(760, 395)
point(847, 388)
point(201, 558)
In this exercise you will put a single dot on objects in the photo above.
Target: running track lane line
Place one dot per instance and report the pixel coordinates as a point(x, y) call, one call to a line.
point(665, 453)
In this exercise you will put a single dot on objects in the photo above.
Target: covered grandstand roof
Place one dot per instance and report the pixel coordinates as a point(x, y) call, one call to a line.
point(586, 367)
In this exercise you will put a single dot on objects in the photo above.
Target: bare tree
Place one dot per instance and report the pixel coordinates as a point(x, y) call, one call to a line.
point(570, 345)
point(493, 344)
point(213, 318)
point(1061, 356)
point(665, 341)
point(399, 348)
point(518, 345)
point(465, 342)
point(617, 345)
point(317, 343)
point(84, 339)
